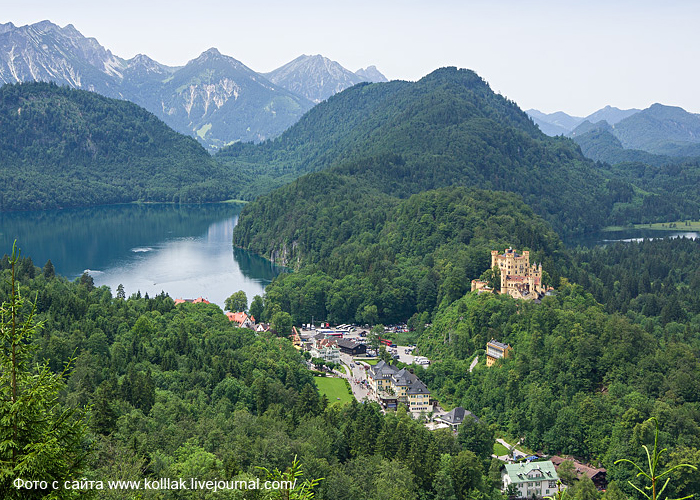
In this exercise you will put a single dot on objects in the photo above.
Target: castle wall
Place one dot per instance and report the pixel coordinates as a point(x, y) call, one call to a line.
point(518, 278)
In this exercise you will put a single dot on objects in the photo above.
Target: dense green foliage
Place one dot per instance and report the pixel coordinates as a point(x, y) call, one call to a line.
point(449, 128)
point(583, 378)
point(389, 259)
point(180, 391)
point(367, 248)
point(653, 279)
point(675, 182)
point(390, 228)
point(177, 391)
point(40, 440)
point(580, 381)
point(673, 178)
point(63, 147)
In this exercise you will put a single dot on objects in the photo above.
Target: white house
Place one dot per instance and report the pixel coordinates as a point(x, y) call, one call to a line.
point(326, 349)
point(538, 478)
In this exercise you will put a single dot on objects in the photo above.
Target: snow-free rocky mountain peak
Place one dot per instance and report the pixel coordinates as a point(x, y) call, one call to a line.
point(371, 74)
point(317, 77)
point(214, 97)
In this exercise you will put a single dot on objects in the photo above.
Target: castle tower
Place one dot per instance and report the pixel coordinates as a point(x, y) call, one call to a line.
point(518, 278)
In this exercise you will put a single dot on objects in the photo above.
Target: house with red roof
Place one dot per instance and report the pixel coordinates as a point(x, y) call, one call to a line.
point(198, 300)
point(242, 319)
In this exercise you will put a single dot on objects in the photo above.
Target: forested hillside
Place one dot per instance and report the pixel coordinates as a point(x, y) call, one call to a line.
point(383, 259)
point(654, 281)
point(62, 147)
point(373, 240)
point(176, 391)
point(411, 186)
point(448, 128)
point(580, 381)
point(674, 176)
point(343, 225)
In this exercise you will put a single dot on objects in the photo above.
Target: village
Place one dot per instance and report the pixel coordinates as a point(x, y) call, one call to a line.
point(395, 384)
point(370, 367)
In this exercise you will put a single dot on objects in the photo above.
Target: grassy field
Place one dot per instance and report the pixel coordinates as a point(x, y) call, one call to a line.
point(334, 389)
point(402, 338)
point(368, 361)
point(499, 449)
point(689, 225)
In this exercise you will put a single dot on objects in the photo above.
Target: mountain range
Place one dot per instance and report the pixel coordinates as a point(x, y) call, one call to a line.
point(214, 97)
point(560, 123)
point(654, 135)
point(614, 135)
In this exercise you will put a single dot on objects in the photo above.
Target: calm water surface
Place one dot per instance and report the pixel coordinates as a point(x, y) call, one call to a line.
point(608, 237)
point(183, 250)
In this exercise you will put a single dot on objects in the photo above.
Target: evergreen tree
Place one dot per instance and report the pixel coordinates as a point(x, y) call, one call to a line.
point(49, 271)
point(442, 484)
point(40, 440)
point(87, 281)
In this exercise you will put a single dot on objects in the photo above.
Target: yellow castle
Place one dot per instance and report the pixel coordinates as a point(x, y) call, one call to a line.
point(519, 279)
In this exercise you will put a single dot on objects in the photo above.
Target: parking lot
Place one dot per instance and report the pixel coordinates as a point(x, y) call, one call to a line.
point(404, 352)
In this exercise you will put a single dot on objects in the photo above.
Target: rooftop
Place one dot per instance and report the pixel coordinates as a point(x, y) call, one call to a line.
point(496, 343)
point(347, 343)
point(525, 471)
point(238, 317)
point(581, 469)
point(456, 416)
point(383, 370)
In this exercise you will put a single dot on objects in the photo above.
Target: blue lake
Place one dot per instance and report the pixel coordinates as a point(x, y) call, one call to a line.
point(628, 235)
point(184, 250)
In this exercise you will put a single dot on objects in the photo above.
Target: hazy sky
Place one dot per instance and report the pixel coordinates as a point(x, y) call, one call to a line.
point(550, 55)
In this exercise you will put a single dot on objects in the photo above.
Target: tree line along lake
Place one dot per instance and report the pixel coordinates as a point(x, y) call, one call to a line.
point(183, 250)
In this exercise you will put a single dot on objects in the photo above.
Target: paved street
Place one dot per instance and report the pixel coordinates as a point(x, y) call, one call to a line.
point(403, 357)
point(358, 379)
point(359, 390)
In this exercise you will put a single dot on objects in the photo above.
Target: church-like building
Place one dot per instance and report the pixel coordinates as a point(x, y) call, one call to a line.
point(519, 279)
